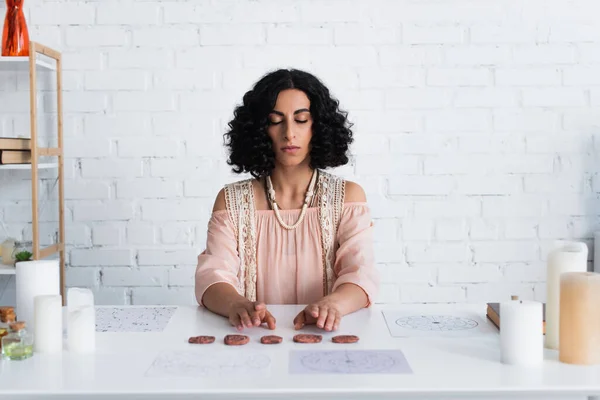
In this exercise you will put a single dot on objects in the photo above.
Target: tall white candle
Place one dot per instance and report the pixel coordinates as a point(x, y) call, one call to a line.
point(521, 332)
point(34, 278)
point(81, 320)
point(568, 257)
point(48, 328)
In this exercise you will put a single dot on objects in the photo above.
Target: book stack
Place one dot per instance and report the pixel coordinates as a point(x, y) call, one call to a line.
point(15, 150)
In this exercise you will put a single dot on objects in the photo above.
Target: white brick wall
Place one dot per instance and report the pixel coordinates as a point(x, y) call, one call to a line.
point(476, 132)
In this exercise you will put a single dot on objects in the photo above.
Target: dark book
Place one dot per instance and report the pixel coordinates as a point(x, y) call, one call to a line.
point(15, 157)
point(493, 314)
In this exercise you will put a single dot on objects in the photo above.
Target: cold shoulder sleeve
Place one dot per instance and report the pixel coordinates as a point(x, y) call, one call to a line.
point(220, 261)
point(355, 258)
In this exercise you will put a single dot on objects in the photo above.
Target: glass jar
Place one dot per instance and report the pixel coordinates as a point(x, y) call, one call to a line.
point(18, 344)
point(8, 246)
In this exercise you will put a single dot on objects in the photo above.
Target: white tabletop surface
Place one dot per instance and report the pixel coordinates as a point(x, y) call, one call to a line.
point(442, 367)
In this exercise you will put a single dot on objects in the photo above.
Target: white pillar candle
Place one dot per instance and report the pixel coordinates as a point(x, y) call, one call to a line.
point(569, 257)
point(521, 332)
point(580, 318)
point(48, 328)
point(34, 278)
point(81, 320)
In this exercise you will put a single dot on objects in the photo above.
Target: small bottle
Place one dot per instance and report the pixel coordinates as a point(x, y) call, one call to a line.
point(3, 332)
point(7, 317)
point(18, 344)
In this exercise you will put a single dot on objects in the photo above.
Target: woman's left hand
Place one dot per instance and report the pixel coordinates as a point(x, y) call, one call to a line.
point(326, 314)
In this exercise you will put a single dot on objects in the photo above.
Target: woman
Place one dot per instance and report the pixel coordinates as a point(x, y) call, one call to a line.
point(294, 234)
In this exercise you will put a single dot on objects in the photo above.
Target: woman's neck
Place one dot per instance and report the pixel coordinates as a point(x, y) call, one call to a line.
point(291, 182)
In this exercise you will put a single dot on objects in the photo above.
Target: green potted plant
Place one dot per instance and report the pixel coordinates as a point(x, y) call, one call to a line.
point(23, 255)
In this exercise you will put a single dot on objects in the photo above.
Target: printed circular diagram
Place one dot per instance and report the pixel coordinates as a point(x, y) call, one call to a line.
point(436, 323)
point(252, 362)
point(193, 364)
point(346, 362)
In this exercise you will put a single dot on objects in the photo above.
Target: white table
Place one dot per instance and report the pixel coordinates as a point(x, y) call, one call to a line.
point(442, 368)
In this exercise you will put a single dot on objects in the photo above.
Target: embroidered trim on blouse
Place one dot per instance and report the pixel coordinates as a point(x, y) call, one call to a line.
point(331, 201)
point(239, 199)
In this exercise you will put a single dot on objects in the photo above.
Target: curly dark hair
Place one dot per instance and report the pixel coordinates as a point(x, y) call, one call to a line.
point(250, 148)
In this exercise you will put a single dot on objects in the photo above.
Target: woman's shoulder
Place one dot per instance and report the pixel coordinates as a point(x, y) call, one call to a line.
point(232, 189)
point(220, 202)
point(353, 192)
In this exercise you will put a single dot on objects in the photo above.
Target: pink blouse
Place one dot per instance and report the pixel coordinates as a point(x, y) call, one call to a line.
point(289, 262)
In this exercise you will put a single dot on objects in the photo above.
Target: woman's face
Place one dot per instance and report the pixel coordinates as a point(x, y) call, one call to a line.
point(290, 127)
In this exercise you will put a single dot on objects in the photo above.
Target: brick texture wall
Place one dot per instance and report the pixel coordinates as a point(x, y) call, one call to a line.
point(476, 129)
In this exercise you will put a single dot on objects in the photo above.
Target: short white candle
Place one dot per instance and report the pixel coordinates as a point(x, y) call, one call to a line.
point(81, 317)
point(521, 332)
point(48, 327)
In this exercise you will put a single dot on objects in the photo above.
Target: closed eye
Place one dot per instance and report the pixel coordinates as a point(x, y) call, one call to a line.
point(279, 122)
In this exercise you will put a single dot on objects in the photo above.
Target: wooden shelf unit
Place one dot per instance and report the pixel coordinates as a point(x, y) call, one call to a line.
point(32, 62)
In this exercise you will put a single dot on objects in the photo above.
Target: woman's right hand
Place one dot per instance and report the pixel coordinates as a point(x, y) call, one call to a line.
point(248, 314)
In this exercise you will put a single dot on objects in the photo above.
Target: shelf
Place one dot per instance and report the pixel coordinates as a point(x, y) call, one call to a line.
point(7, 270)
point(28, 166)
point(44, 61)
point(22, 64)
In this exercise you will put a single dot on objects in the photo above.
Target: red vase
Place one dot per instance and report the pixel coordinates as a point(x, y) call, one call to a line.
point(15, 37)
